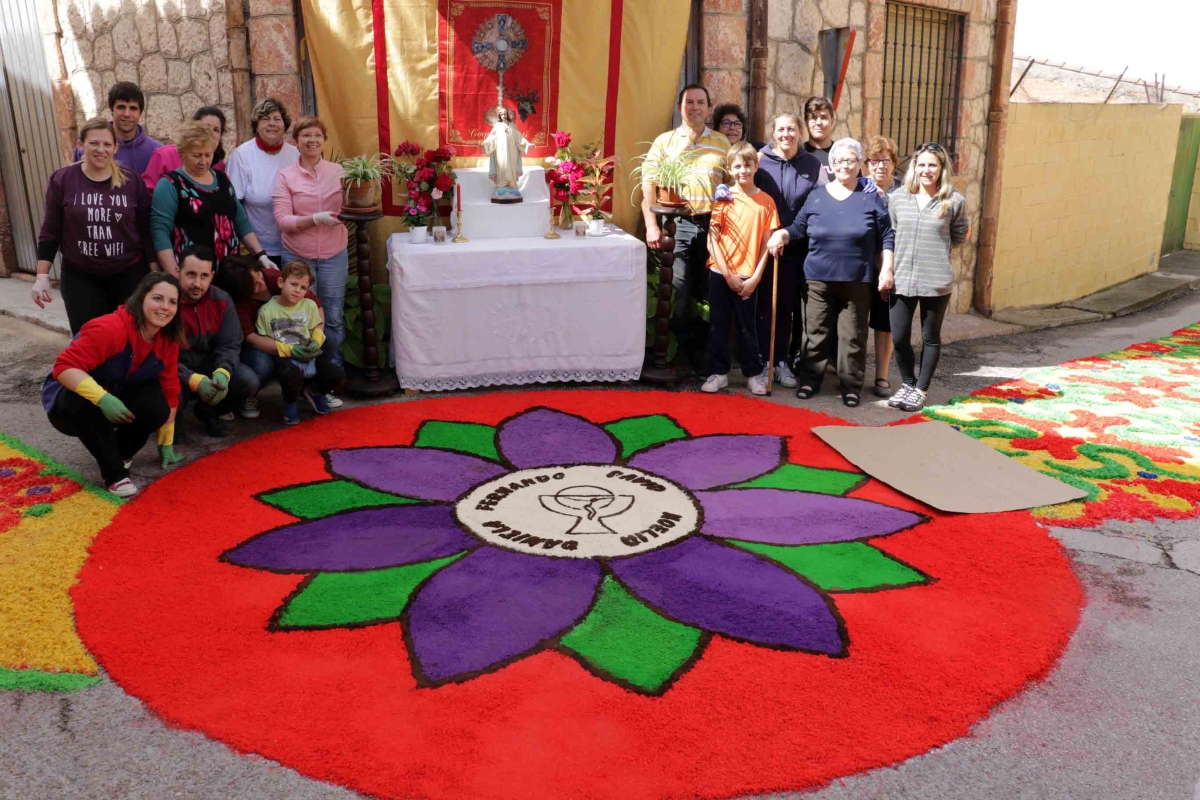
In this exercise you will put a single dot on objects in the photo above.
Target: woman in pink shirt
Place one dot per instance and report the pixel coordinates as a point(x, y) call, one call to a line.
point(307, 199)
point(167, 159)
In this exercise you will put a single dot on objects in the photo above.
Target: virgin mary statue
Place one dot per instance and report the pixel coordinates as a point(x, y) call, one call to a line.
point(505, 145)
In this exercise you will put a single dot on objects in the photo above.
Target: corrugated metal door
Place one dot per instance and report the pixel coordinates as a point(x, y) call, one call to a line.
point(1181, 184)
point(28, 138)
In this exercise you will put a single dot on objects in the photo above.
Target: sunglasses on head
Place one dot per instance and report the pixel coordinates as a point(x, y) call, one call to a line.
point(931, 146)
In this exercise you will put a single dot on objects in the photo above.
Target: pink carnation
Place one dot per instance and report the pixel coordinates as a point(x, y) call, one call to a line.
point(562, 139)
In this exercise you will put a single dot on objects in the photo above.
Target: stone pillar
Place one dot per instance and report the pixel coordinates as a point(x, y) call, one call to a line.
point(239, 67)
point(8, 252)
point(274, 59)
point(724, 64)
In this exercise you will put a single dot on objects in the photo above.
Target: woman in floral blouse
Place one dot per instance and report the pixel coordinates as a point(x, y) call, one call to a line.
point(196, 205)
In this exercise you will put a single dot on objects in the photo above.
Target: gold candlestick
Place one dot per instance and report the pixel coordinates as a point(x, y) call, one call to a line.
point(552, 234)
point(460, 239)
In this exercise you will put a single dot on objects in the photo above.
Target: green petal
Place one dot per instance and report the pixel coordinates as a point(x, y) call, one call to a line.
point(806, 479)
point(841, 567)
point(341, 599)
point(630, 644)
point(40, 510)
point(316, 500)
point(32, 680)
point(464, 437)
point(638, 433)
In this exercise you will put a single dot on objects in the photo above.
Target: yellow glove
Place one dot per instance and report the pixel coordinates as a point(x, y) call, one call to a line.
point(166, 434)
point(318, 336)
point(283, 350)
point(89, 390)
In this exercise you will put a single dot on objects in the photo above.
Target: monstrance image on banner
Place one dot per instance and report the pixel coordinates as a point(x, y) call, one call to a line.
point(497, 53)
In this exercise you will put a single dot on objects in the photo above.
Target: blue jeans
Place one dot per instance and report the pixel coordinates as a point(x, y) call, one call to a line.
point(256, 369)
point(331, 288)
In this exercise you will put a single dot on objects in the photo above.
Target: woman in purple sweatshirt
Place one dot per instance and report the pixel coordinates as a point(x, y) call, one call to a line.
point(787, 174)
point(98, 216)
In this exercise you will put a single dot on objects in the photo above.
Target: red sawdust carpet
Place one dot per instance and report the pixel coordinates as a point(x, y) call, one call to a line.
point(567, 594)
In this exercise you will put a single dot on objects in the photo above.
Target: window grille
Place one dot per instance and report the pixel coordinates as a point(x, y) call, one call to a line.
point(922, 74)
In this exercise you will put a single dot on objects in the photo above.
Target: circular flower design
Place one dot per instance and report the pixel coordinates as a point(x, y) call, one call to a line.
point(489, 544)
point(499, 43)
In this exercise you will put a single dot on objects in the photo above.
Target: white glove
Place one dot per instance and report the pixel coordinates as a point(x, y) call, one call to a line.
point(41, 290)
point(325, 218)
point(266, 261)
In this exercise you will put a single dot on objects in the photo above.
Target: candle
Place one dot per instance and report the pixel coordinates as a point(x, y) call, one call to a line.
point(458, 194)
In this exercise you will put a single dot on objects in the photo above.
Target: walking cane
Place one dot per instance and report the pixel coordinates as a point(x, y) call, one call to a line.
point(774, 301)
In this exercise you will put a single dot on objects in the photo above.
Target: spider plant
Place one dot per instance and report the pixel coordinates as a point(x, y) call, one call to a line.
point(670, 173)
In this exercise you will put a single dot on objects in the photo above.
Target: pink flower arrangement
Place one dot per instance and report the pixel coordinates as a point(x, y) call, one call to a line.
point(583, 181)
point(428, 175)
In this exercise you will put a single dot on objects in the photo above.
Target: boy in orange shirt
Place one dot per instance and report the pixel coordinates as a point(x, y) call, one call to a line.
point(737, 241)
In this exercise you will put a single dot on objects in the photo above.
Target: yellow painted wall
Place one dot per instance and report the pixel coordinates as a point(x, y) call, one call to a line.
point(1084, 199)
point(1191, 237)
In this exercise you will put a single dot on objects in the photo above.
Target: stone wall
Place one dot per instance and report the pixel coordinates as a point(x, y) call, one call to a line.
point(1056, 243)
point(176, 50)
point(724, 68)
point(796, 73)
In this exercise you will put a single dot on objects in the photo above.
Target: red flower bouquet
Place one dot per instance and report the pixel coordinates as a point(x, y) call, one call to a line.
point(428, 175)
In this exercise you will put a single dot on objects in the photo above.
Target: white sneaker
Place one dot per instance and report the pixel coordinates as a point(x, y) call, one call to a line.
point(123, 488)
point(715, 383)
point(784, 376)
point(226, 417)
point(758, 383)
point(333, 401)
point(901, 395)
point(249, 408)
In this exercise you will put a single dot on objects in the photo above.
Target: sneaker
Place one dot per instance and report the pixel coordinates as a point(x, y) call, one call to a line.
point(249, 409)
point(215, 427)
point(123, 488)
point(333, 401)
point(715, 383)
point(317, 401)
point(226, 417)
point(901, 394)
point(913, 401)
point(784, 376)
point(758, 383)
point(291, 414)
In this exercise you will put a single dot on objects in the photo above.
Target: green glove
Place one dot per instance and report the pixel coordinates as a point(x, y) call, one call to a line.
point(168, 455)
point(207, 391)
point(306, 351)
point(219, 396)
point(114, 410)
point(221, 379)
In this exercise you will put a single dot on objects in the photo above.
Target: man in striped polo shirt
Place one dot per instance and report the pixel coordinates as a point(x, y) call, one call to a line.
point(708, 172)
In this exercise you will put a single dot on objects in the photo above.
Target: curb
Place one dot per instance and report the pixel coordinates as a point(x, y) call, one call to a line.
point(26, 316)
point(1081, 311)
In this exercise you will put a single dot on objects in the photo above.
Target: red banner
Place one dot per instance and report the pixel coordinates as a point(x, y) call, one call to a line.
point(486, 47)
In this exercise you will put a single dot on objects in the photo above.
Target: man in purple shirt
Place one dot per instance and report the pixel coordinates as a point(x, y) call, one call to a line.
point(126, 103)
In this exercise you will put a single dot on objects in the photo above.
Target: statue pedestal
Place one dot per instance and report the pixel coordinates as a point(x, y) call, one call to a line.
point(372, 380)
point(484, 218)
point(656, 370)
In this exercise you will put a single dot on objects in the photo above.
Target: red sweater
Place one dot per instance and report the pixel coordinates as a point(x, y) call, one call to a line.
point(102, 340)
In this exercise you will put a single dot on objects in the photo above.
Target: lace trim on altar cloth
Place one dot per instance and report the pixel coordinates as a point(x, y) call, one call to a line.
point(518, 378)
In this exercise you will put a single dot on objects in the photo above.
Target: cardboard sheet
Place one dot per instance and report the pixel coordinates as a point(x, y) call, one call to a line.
point(934, 463)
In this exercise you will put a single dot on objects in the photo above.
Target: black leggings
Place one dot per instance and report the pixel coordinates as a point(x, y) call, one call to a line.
point(110, 444)
point(933, 311)
point(87, 296)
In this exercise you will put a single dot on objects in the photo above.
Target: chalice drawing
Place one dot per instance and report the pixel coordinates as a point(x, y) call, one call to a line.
point(590, 505)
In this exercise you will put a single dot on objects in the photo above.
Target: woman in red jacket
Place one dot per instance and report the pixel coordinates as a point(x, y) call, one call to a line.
point(118, 381)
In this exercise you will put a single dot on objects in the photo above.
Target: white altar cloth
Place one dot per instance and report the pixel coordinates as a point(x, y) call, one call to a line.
point(517, 311)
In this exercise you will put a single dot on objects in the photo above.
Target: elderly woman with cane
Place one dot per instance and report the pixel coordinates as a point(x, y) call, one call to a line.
point(847, 229)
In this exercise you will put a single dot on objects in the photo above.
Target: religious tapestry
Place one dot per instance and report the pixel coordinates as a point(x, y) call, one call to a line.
point(493, 52)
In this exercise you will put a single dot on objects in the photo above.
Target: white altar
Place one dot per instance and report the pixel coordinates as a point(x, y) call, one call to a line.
point(510, 307)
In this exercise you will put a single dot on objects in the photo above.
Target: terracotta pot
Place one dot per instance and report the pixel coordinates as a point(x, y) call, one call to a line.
point(358, 194)
point(668, 198)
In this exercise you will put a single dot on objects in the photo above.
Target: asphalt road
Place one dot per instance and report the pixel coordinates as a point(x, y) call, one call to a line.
point(1119, 718)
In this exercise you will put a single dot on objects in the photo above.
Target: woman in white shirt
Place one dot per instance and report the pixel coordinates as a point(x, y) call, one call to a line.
point(253, 167)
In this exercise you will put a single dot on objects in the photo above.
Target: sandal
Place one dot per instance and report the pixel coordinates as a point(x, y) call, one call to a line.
point(851, 399)
point(805, 392)
point(883, 387)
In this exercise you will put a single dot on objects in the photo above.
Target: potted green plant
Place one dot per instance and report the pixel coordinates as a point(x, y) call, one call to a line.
point(669, 175)
point(361, 178)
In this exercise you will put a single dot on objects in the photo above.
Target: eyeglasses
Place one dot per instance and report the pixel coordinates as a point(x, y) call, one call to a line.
point(845, 162)
point(727, 123)
point(878, 162)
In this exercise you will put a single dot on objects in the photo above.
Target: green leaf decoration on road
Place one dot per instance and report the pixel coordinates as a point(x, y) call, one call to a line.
point(797, 477)
point(32, 680)
point(339, 599)
point(841, 567)
point(463, 437)
point(316, 500)
point(638, 433)
point(631, 643)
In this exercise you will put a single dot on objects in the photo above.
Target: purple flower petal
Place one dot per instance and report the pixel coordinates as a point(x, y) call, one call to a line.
point(492, 607)
point(734, 593)
point(544, 437)
point(710, 461)
point(420, 472)
point(370, 539)
point(775, 516)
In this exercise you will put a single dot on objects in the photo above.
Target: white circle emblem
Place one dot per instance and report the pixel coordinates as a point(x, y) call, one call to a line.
point(582, 511)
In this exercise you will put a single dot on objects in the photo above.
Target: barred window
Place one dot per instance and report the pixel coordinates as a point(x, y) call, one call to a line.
point(922, 69)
